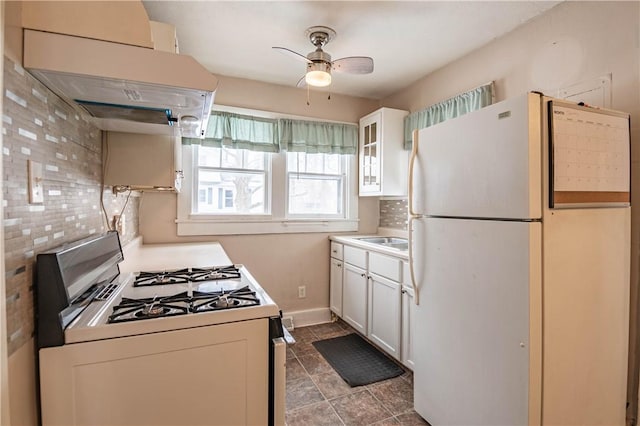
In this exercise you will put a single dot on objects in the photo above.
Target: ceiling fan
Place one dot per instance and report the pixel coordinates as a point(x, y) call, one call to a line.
point(319, 63)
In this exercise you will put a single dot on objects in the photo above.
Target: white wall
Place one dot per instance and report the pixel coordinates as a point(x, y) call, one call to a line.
point(572, 43)
point(280, 262)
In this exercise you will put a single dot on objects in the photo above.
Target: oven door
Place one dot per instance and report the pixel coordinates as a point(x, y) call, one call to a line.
point(215, 375)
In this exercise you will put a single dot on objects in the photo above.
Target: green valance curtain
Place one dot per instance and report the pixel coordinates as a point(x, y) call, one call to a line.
point(318, 137)
point(272, 135)
point(450, 108)
point(240, 132)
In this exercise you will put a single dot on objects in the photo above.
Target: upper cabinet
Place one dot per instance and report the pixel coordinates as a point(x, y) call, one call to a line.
point(142, 162)
point(383, 161)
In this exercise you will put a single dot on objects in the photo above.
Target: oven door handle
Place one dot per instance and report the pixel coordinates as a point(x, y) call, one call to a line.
point(279, 377)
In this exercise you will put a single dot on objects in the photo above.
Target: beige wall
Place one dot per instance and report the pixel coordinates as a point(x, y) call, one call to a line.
point(280, 262)
point(251, 94)
point(572, 43)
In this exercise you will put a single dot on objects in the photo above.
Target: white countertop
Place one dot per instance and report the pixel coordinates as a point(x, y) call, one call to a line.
point(159, 257)
point(354, 240)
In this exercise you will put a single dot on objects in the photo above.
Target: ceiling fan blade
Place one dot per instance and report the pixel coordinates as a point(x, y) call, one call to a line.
point(302, 82)
point(354, 65)
point(292, 54)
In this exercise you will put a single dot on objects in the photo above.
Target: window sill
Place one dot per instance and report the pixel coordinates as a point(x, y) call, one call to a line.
point(258, 226)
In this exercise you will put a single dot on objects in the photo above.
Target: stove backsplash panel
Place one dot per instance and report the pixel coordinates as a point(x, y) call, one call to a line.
point(39, 126)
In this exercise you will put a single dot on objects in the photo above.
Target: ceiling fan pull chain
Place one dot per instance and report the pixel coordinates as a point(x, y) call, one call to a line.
point(308, 103)
point(329, 97)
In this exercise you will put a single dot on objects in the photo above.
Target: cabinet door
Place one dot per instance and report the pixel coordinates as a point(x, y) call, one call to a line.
point(354, 297)
point(384, 314)
point(370, 155)
point(335, 287)
point(407, 327)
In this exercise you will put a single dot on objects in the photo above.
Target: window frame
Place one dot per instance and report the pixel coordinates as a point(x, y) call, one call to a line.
point(277, 220)
point(344, 193)
point(195, 199)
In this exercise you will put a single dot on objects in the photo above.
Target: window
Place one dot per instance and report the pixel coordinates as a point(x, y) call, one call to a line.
point(228, 189)
point(315, 184)
point(237, 177)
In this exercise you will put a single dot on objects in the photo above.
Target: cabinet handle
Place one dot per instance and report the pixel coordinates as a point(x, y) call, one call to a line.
point(363, 275)
point(334, 251)
point(403, 291)
point(339, 265)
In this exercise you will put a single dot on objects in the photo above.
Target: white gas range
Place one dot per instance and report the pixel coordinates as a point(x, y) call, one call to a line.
point(161, 346)
point(155, 301)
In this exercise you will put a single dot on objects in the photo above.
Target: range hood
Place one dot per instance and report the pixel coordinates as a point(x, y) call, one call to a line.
point(123, 87)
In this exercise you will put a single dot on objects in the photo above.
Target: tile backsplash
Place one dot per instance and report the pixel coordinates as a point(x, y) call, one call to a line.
point(39, 126)
point(393, 213)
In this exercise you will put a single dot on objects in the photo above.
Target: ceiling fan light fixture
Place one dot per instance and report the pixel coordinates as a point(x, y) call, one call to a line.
point(318, 74)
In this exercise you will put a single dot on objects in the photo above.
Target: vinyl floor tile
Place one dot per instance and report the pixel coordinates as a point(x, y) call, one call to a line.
point(395, 394)
point(411, 419)
point(302, 392)
point(319, 414)
point(360, 408)
point(331, 385)
point(317, 395)
point(294, 370)
point(315, 364)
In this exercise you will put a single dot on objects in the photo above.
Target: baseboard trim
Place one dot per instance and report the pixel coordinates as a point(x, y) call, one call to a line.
point(308, 316)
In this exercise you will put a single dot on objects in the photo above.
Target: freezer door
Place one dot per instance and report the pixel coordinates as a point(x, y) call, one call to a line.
point(485, 164)
point(477, 341)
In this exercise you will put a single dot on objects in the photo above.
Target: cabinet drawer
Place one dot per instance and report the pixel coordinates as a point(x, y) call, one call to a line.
point(336, 250)
point(355, 256)
point(385, 266)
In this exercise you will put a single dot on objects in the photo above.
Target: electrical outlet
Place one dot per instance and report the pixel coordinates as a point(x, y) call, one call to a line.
point(302, 292)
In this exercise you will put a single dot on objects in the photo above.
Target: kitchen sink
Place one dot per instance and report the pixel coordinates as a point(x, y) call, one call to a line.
point(392, 242)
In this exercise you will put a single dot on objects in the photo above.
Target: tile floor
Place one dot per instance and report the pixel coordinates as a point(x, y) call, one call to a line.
point(317, 395)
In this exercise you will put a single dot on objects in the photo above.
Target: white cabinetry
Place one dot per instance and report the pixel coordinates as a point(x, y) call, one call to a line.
point(384, 302)
point(355, 288)
point(371, 296)
point(354, 297)
point(383, 161)
point(336, 277)
point(408, 308)
point(144, 162)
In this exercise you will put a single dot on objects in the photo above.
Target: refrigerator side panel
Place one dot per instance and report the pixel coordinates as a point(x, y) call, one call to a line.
point(472, 338)
point(586, 316)
point(485, 164)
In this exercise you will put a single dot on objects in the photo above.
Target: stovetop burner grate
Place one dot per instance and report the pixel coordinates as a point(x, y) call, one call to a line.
point(226, 299)
point(152, 307)
point(186, 275)
point(162, 277)
point(182, 303)
point(214, 273)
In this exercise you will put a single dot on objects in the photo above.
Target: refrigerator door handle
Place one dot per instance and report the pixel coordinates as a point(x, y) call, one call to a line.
point(412, 159)
point(414, 285)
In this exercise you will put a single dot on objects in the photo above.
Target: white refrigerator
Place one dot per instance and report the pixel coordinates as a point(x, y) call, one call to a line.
point(520, 259)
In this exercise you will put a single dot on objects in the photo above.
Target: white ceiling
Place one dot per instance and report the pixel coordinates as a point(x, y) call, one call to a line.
point(406, 39)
